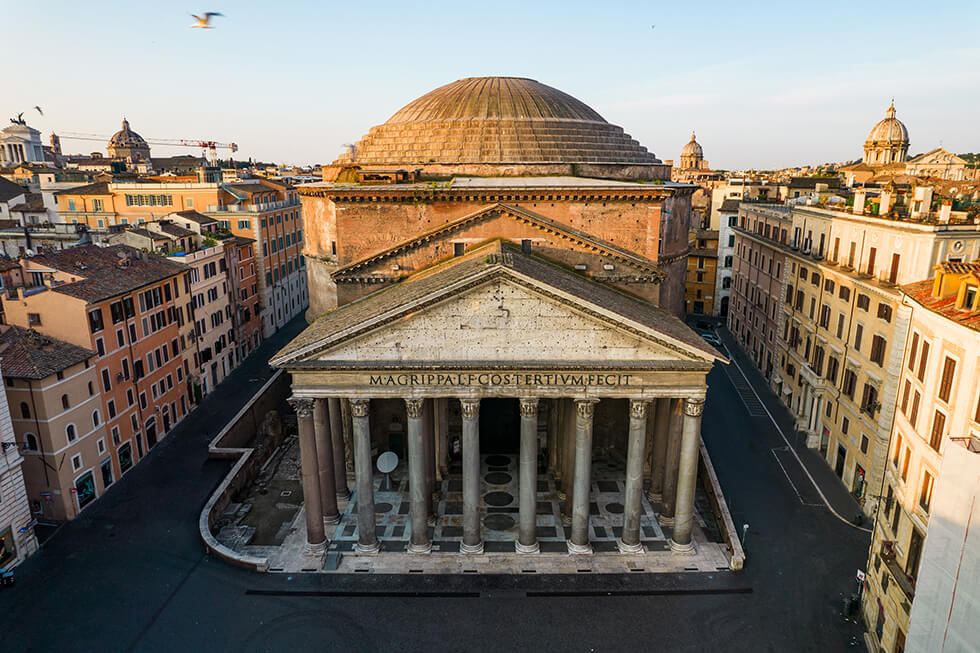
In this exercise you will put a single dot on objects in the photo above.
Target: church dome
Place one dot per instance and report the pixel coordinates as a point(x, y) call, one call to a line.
point(126, 137)
point(889, 130)
point(693, 148)
point(493, 121)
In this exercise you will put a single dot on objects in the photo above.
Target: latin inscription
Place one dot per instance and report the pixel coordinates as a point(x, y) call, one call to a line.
point(503, 379)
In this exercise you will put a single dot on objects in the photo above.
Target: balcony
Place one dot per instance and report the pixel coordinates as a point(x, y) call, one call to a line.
point(904, 582)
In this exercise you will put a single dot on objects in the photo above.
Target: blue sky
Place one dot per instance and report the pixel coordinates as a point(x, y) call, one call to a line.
point(765, 84)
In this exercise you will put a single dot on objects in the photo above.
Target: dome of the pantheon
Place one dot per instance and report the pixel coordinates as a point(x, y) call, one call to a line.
point(481, 124)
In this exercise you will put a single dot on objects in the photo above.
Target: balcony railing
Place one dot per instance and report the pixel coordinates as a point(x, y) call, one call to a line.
point(251, 208)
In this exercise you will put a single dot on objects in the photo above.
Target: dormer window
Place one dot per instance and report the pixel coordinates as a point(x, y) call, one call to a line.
point(969, 301)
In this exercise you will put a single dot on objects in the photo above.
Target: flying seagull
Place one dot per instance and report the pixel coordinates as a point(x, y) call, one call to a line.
point(39, 109)
point(205, 22)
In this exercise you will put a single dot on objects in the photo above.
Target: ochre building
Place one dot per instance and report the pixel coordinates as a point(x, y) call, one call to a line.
point(496, 274)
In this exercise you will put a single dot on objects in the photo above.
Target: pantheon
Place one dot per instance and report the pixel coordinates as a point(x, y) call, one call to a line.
point(496, 281)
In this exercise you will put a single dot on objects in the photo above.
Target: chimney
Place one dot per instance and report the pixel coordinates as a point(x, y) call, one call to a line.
point(859, 196)
point(885, 203)
point(922, 201)
point(944, 211)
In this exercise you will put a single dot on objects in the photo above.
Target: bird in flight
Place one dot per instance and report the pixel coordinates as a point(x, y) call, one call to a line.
point(205, 21)
point(39, 109)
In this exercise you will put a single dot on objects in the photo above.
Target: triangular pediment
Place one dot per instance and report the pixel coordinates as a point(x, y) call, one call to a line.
point(497, 306)
point(939, 155)
point(482, 225)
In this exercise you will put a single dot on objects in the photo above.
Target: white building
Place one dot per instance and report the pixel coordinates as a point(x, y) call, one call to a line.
point(727, 219)
point(20, 143)
point(17, 540)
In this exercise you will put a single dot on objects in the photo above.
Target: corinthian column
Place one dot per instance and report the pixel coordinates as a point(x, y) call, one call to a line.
point(527, 538)
point(419, 507)
point(472, 541)
point(339, 449)
point(582, 484)
point(687, 476)
point(636, 448)
point(367, 538)
point(316, 540)
point(324, 456)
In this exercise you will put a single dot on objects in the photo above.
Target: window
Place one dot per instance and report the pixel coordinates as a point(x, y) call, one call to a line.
point(905, 464)
point(938, 426)
point(914, 415)
point(885, 312)
point(912, 351)
point(869, 399)
point(849, 383)
point(64, 402)
point(100, 346)
point(95, 320)
point(91, 389)
point(76, 462)
point(106, 467)
point(833, 366)
point(925, 493)
point(905, 396)
point(844, 293)
point(106, 384)
point(923, 359)
point(70, 432)
point(828, 285)
point(878, 350)
point(115, 435)
point(858, 333)
point(840, 325)
point(111, 407)
point(865, 443)
point(898, 450)
point(946, 384)
point(96, 418)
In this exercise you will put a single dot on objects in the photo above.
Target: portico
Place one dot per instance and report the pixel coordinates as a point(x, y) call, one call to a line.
point(588, 370)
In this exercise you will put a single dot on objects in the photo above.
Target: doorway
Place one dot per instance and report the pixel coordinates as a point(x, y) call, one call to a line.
point(151, 432)
point(500, 426)
point(841, 459)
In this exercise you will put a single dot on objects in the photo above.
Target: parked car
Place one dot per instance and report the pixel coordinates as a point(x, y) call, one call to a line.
point(6, 577)
point(711, 339)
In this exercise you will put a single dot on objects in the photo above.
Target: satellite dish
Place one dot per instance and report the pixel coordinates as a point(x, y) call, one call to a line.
point(387, 462)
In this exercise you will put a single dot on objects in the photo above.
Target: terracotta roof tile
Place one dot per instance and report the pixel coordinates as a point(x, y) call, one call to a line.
point(27, 354)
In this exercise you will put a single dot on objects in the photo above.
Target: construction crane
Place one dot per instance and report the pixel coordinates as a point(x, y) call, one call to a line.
point(209, 149)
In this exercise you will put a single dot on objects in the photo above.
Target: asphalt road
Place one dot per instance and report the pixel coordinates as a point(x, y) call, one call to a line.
point(131, 573)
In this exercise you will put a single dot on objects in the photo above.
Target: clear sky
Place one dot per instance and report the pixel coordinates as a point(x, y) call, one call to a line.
point(765, 84)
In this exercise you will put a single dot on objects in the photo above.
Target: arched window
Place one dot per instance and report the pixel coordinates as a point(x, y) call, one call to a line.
point(70, 432)
point(95, 418)
point(64, 402)
point(91, 390)
point(25, 412)
point(30, 442)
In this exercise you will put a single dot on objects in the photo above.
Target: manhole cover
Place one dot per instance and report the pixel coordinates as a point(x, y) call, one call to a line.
point(615, 508)
point(498, 522)
point(382, 507)
point(498, 498)
point(498, 478)
point(498, 461)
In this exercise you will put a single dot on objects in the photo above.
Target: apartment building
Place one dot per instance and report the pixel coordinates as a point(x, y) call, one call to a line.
point(122, 304)
point(922, 532)
point(269, 213)
point(210, 354)
point(702, 268)
point(245, 298)
point(59, 422)
point(727, 219)
point(840, 327)
point(17, 539)
point(264, 210)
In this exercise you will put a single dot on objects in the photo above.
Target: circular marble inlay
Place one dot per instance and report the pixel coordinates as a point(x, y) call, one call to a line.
point(498, 498)
point(498, 478)
point(498, 461)
point(498, 522)
point(382, 507)
point(615, 508)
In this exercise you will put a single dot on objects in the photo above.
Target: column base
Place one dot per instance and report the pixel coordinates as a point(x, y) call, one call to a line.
point(367, 548)
point(331, 519)
point(579, 549)
point(317, 549)
point(471, 549)
point(655, 497)
point(629, 548)
point(688, 548)
point(665, 521)
point(527, 548)
point(431, 520)
point(420, 548)
point(345, 495)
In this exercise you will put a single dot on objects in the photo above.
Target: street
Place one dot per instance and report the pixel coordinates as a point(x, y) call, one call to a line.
point(131, 573)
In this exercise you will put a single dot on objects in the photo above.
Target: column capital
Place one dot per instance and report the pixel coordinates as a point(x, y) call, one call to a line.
point(359, 407)
point(302, 406)
point(585, 408)
point(693, 407)
point(638, 408)
point(529, 407)
point(414, 407)
point(471, 408)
